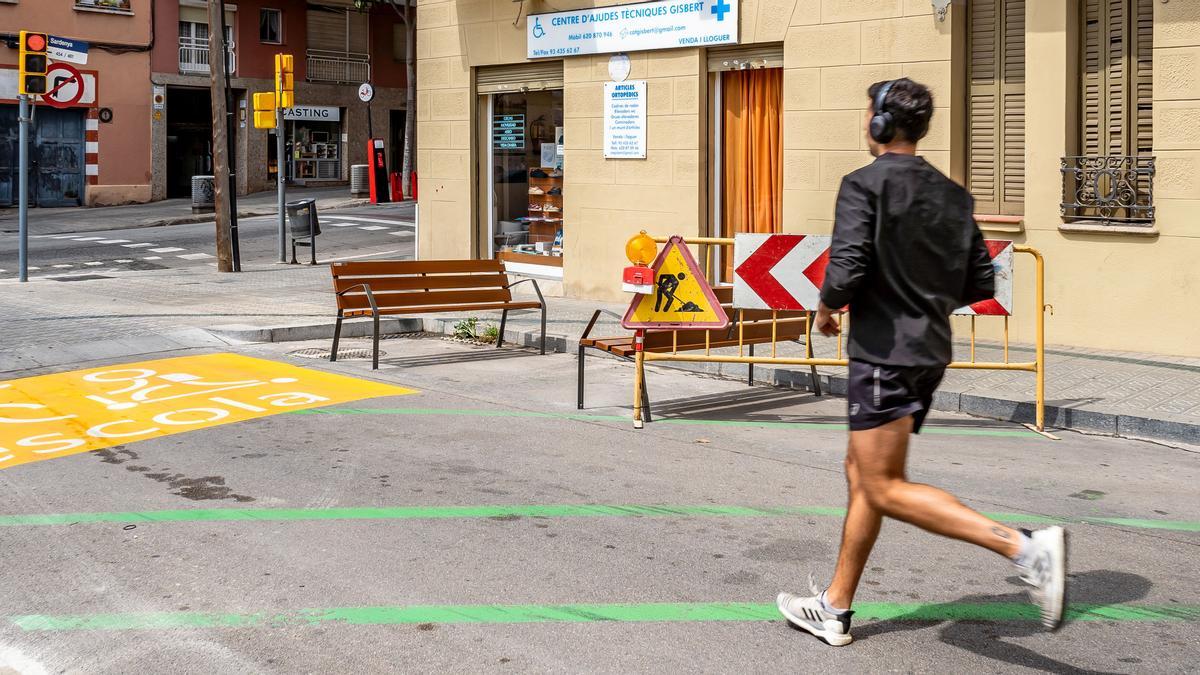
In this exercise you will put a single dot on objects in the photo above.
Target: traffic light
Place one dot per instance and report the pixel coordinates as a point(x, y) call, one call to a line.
point(284, 81)
point(264, 110)
point(33, 63)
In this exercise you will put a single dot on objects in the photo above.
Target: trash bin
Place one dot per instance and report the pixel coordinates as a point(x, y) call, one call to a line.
point(360, 179)
point(204, 198)
point(302, 219)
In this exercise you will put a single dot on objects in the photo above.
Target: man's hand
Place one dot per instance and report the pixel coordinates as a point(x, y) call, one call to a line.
point(825, 321)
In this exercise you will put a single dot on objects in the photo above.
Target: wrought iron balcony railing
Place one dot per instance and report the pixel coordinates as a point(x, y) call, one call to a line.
point(1110, 189)
point(337, 67)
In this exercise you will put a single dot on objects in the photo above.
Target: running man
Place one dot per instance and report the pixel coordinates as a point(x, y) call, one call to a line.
point(906, 252)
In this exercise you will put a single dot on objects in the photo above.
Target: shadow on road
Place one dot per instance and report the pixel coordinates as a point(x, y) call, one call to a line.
point(987, 638)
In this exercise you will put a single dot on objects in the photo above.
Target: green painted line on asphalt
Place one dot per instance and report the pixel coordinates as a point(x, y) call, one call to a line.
point(584, 613)
point(828, 426)
point(520, 510)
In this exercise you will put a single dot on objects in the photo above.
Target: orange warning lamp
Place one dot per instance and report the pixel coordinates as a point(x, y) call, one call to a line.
point(641, 251)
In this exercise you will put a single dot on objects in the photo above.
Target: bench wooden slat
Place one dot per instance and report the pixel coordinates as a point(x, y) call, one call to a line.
point(486, 307)
point(472, 297)
point(401, 267)
point(420, 283)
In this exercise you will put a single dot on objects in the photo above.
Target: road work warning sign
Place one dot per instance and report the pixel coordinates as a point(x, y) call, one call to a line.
point(52, 416)
point(682, 297)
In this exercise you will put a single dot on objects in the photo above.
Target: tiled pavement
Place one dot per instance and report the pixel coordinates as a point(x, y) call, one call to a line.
point(46, 322)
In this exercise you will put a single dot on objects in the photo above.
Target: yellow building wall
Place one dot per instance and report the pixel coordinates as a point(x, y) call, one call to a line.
point(1109, 291)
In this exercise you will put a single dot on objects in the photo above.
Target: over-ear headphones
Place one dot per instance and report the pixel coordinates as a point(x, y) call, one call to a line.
point(882, 128)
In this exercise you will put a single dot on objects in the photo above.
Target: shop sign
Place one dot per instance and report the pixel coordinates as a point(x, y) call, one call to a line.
point(313, 113)
point(625, 120)
point(665, 24)
point(508, 132)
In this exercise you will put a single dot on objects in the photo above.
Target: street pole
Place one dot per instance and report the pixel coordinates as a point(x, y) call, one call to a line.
point(231, 133)
point(280, 171)
point(221, 183)
point(23, 122)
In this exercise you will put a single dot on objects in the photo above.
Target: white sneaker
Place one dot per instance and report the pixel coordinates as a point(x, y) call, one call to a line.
point(807, 613)
point(1046, 571)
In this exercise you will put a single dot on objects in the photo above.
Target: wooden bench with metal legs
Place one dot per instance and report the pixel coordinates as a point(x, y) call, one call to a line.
point(390, 287)
point(757, 327)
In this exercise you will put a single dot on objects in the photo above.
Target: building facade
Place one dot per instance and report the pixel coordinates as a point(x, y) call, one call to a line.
point(96, 152)
point(1070, 121)
point(143, 126)
point(335, 48)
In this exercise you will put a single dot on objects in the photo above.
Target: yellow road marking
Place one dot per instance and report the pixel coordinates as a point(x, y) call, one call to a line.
point(68, 413)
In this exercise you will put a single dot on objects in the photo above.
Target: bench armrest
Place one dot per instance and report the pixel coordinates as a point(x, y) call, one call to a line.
point(536, 289)
point(370, 295)
point(591, 324)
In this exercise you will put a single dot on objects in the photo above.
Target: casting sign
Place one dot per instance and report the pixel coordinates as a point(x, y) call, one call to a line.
point(318, 113)
point(630, 28)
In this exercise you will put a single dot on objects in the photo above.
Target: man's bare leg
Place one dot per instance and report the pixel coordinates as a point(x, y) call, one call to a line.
point(875, 467)
point(859, 532)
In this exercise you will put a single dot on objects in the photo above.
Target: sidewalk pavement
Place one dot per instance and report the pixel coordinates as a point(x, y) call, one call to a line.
point(166, 212)
point(1113, 393)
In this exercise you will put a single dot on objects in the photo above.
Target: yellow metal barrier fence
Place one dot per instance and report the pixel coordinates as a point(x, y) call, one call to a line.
point(1037, 366)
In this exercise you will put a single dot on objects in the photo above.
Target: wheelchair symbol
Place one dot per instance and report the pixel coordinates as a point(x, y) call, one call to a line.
point(538, 31)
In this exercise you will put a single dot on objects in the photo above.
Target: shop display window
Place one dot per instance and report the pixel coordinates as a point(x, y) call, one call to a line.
point(527, 176)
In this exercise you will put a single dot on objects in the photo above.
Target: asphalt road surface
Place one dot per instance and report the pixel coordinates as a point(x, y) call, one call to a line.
point(363, 232)
point(480, 523)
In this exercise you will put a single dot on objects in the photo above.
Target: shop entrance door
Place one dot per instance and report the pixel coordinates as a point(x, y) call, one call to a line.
point(58, 156)
point(55, 157)
point(189, 138)
point(8, 155)
point(746, 152)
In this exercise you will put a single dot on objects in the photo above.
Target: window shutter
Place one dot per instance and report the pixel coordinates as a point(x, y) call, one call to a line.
point(326, 30)
point(1116, 74)
point(1012, 106)
point(1117, 87)
point(1093, 74)
point(359, 33)
point(996, 142)
point(983, 135)
point(1143, 77)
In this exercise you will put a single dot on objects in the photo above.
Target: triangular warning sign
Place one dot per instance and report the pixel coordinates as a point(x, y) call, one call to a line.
point(682, 297)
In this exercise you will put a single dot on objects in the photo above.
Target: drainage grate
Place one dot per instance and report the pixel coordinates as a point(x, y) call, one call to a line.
point(343, 354)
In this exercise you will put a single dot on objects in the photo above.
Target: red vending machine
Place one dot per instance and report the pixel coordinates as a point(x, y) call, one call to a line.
point(379, 173)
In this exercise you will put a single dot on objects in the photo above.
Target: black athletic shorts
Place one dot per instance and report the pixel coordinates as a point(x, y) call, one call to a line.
point(880, 394)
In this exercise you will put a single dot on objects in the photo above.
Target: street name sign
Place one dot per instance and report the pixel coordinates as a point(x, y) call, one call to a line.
point(66, 49)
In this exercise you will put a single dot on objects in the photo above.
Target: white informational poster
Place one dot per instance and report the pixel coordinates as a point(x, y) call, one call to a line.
point(625, 119)
point(664, 24)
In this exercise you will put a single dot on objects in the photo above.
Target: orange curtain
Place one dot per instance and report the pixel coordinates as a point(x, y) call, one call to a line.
point(751, 153)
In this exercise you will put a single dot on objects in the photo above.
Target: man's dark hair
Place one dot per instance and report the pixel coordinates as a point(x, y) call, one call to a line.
point(910, 104)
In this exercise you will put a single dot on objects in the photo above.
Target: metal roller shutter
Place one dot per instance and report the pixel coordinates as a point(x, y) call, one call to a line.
point(533, 76)
point(739, 58)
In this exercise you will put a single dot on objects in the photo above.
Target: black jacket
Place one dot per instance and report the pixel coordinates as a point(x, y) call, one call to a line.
point(906, 253)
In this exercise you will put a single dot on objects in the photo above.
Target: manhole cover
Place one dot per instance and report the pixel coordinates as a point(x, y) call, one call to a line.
point(343, 354)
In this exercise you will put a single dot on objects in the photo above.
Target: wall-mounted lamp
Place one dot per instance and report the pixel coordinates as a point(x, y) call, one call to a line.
point(941, 6)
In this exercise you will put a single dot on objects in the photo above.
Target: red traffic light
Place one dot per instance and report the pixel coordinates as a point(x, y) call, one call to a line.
point(35, 42)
